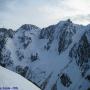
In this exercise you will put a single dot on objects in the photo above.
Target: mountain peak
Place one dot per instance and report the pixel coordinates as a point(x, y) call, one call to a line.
point(69, 20)
point(29, 27)
point(65, 21)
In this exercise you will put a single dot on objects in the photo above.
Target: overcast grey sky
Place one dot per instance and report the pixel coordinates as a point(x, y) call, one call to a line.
point(14, 13)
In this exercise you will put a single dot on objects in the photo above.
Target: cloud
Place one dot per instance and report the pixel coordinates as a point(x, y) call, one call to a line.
point(14, 13)
point(82, 19)
point(4, 4)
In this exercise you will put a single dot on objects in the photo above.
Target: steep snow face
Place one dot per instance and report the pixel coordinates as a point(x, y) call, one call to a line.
point(54, 58)
point(9, 79)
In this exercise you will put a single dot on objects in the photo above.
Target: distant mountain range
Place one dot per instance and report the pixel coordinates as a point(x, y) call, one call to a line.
point(54, 58)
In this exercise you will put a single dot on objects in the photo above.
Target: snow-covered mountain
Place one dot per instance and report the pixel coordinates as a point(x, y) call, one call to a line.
point(12, 81)
point(54, 58)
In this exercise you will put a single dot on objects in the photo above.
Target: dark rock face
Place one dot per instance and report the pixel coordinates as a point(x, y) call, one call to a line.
point(11, 33)
point(81, 53)
point(25, 40)
point(65, 80)
point(34, 57)
point(2, 45)
point(54, 87)
point(88, 77)
point(88, 89)
point(43, 85)
point(7, 61)
point(25, 44)
point(65, 38)
point(6, 32)
point(4, 54)
point(64, 32)
point(24, 71)
point(47, 33)
point(19, 55)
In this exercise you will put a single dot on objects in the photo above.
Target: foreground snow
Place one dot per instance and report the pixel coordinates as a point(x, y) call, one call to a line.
point(9, 79)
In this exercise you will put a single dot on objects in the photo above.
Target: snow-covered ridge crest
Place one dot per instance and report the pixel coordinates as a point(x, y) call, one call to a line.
point(28, 27)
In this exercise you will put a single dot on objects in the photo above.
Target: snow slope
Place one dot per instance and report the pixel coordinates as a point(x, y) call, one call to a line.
point(12, 80)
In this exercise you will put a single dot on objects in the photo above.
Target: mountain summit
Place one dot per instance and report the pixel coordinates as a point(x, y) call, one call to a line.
point(28, 27)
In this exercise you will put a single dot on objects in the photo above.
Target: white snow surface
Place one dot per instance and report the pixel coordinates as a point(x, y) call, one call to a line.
point(11, 80)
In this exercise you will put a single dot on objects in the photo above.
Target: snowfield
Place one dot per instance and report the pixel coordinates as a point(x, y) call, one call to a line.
point(9, 79)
